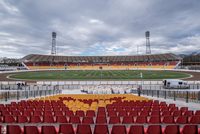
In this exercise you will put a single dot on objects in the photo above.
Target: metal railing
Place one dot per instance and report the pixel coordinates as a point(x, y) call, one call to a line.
point(189, 95)
point(30, 91)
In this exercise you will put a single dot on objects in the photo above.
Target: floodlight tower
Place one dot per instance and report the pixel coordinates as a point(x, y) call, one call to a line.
point(148, 46)
point(53, 48)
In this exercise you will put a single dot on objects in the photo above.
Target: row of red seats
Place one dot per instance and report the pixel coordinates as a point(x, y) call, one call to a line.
point(113, 107)
point(99, 113)
point(150, 108)
point(101, 119)
point(101, 109)
point(102, 129)
point(143, 107)
point(67, 112)
point(63, 108)
point(140, 103)
point(145, 113)
point(31, 105)
point(117, 106)
point(118, 102)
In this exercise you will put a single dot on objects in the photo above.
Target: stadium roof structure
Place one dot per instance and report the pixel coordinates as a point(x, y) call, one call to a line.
point(192, 60)
point(103, 59)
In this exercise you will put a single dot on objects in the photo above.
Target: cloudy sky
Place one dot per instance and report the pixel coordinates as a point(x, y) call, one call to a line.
point(98, 27)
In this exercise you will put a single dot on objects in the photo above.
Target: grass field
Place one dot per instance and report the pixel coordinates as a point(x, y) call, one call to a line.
point(98, 75)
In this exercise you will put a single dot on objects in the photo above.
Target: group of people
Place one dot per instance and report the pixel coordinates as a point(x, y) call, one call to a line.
point(20, 85)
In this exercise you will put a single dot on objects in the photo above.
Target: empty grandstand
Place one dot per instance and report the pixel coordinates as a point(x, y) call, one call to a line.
point(10, 64)
point(97, 114)
point(154, 61)
point(191, 62)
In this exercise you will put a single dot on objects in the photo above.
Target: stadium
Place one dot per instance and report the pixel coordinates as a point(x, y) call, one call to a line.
point(104, 87)
point(100, 67)
point(100, 95)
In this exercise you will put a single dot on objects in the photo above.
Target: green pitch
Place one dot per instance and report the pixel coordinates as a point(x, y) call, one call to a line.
point(98, 75)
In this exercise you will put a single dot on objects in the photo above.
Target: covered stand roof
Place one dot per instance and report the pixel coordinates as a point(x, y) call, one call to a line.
point(102, 59)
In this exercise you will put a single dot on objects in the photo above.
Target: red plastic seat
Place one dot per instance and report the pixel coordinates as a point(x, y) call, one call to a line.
point(101, 129)
point(154, 119)
point(136, 129)
point(88, 120)
point(127, 120)
point(164, 108)
point(69, 113)
point(114, 120)
point(165, 113)
point(177, 113)
point(66, 129)
point(118, 129)
point(101, 120)
point(197, 112)
point(172, 109)
point(155, 113)
point(48, 108)
point(84, 129)
point(168, 119)
point(80, 113)
point(195, 119)
point(112, 113)
point(154, 129)
point(128, 108)
point(101, 109)
point(74, 119)
point(48, 113)
point(48, 130)
point(172, 105)
point(123, 113)
point(141, 119)
point(182, 120)
point(49, 119)
point(144, 113)
point(145, 109)
point(14, 129)
point(28, 113)
point(101, 114)
point(9, 119)
point(31, 130)
point(119, 109)
point(172, 129)
point(190, 129)
point(65, 109)
point(61, 119)
point(188, 113)
point(16, 113)
point(133, 113)
point(58, 113)
point(22, 119)
point(5, 113)
point(183, 109)
point(90, 113)
point(1, 119)
point(37, 113)
point(155, 109)
point(36, 119)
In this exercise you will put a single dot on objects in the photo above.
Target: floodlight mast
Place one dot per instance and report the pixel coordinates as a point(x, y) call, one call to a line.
point(148, 46)
point(53, 48)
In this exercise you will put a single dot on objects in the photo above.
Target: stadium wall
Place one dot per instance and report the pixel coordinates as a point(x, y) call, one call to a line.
point(183, 70)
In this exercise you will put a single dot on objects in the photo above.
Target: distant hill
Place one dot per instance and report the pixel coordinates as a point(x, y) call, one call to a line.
point(195, 53)
point(191, 54)
point(182, 55)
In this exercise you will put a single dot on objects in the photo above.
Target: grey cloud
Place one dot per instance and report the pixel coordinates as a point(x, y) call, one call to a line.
point(98, 27)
